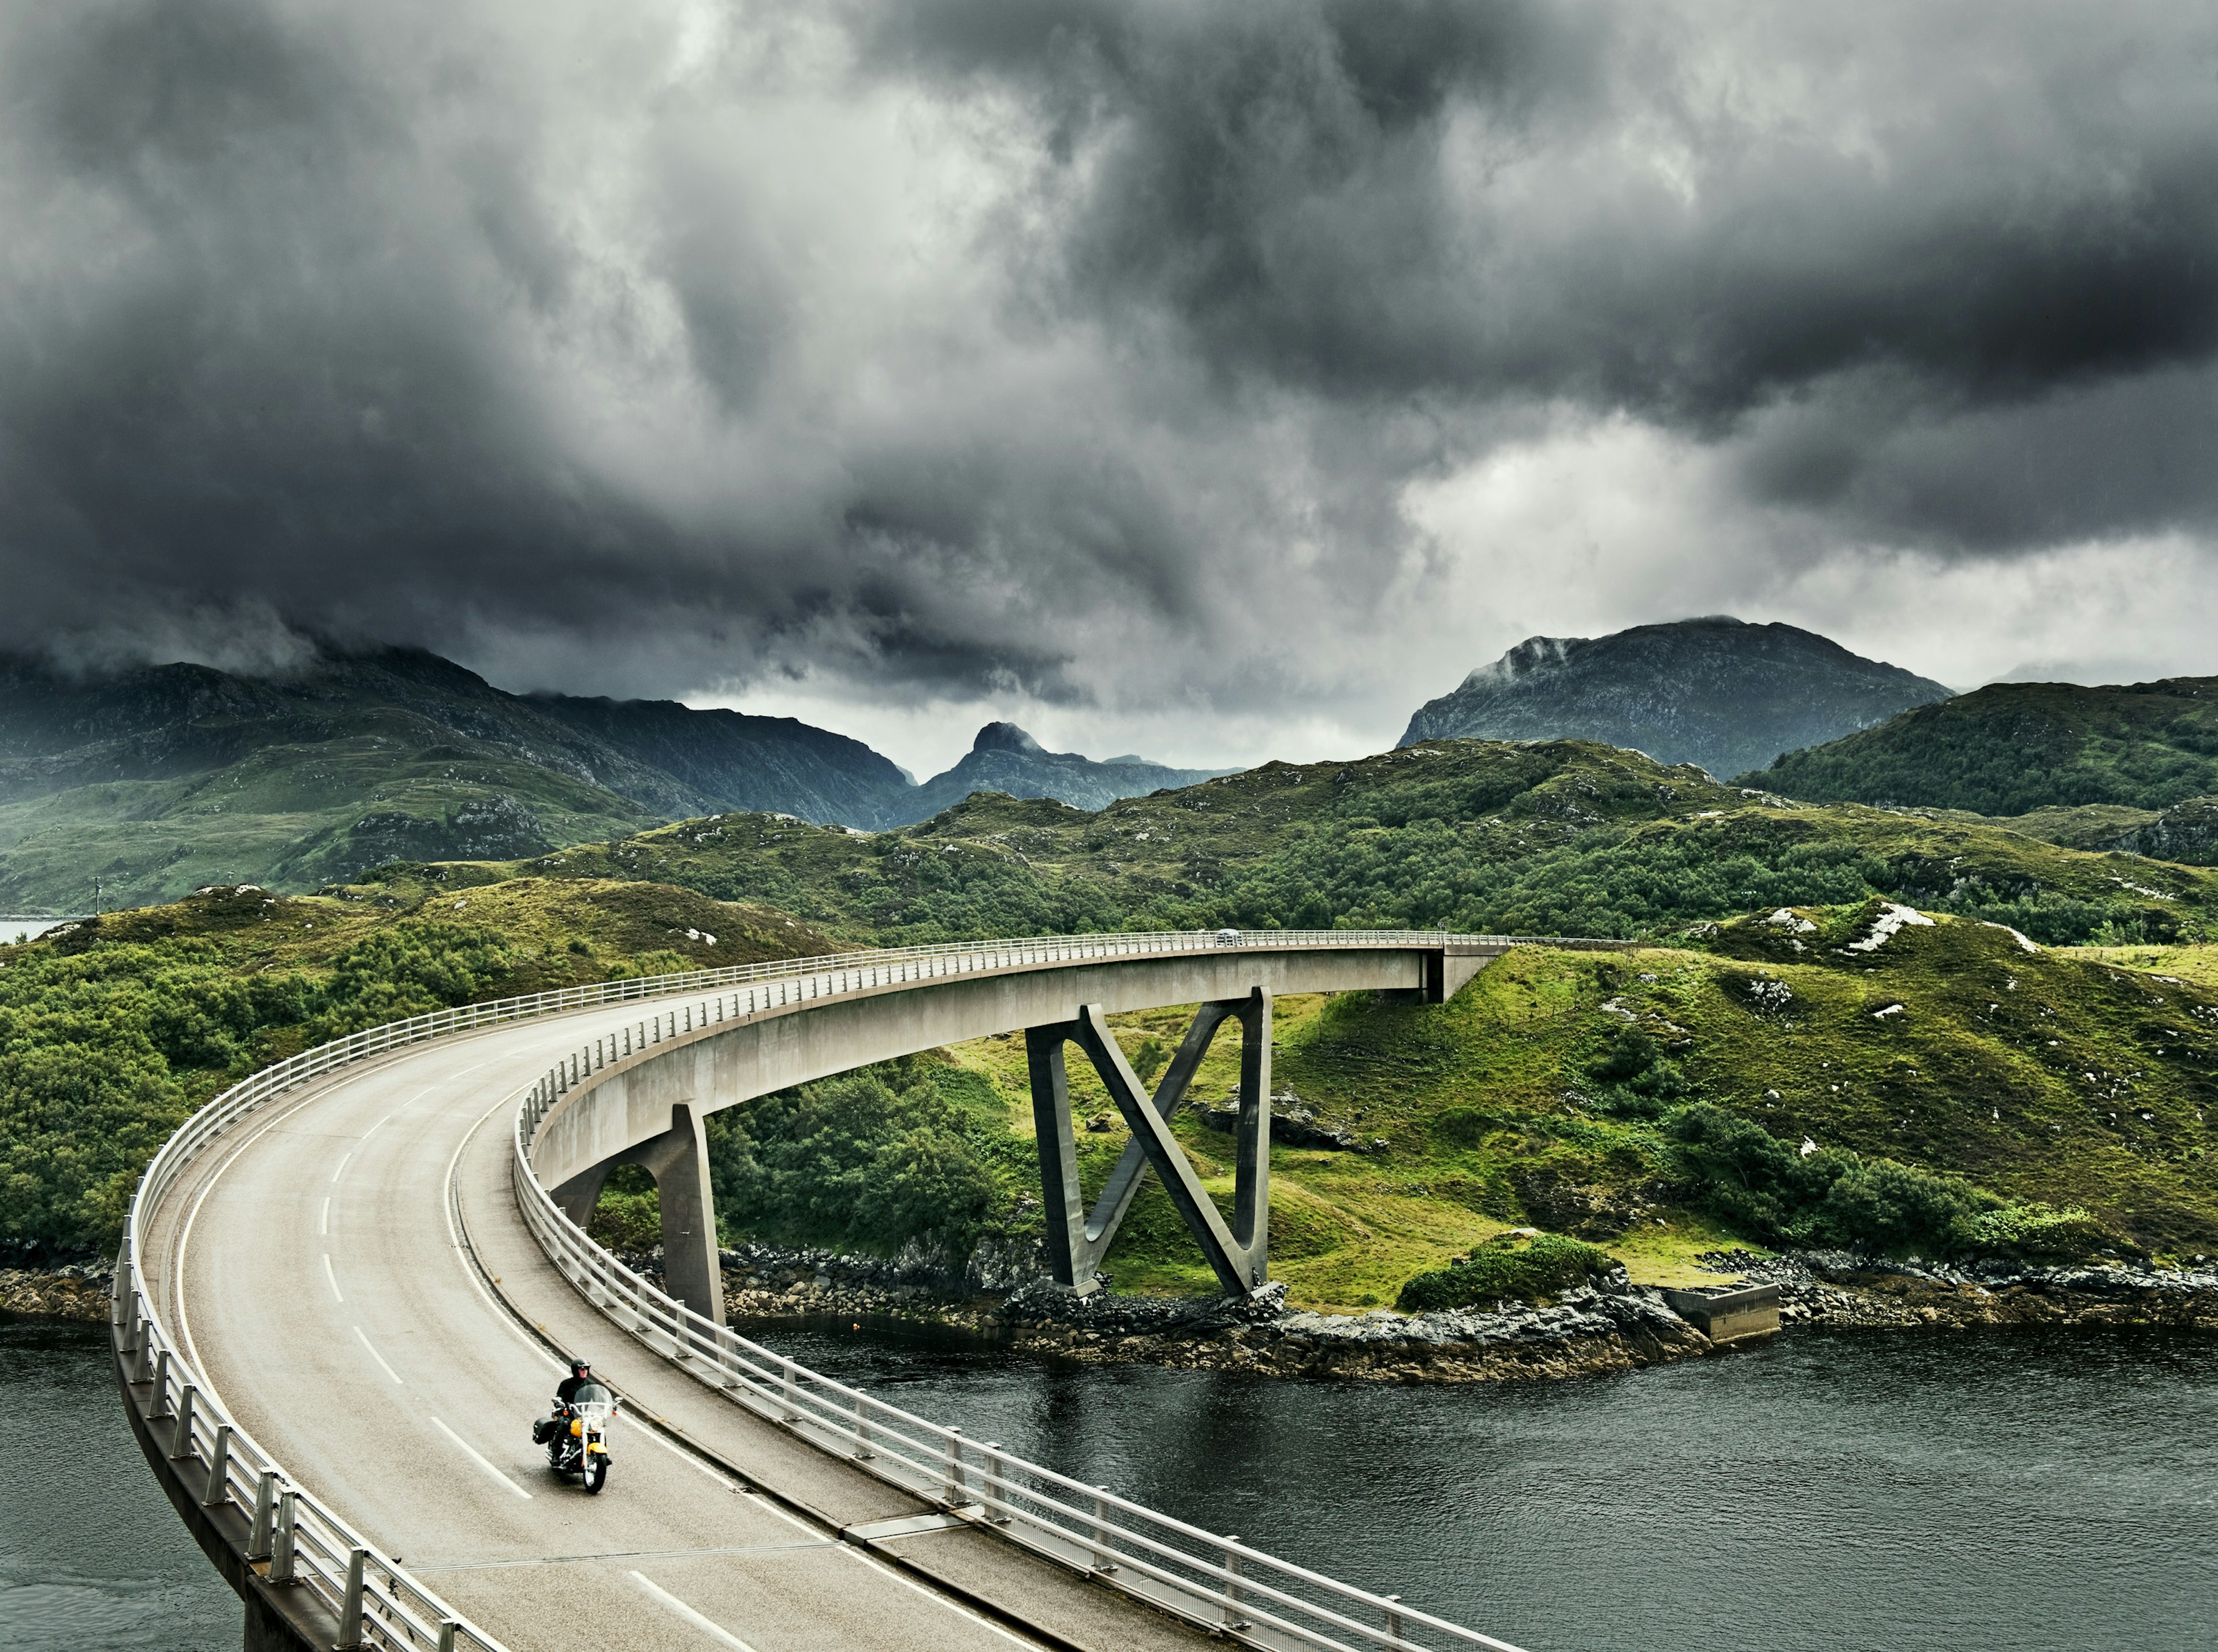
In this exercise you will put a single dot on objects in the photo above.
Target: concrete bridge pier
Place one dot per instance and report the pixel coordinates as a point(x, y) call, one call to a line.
point(1077, 1241)
point(678, 1160)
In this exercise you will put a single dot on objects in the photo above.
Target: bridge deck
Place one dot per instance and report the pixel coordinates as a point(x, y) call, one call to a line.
point(350, 1274)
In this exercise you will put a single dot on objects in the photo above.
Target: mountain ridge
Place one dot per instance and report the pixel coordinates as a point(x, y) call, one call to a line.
point(1003, 758)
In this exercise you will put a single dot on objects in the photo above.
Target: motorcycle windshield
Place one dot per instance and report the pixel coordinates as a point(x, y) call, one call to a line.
point(591, 1394)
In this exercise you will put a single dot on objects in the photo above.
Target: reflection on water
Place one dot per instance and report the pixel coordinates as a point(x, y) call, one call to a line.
point(1977, 1492)
point(92, 1557)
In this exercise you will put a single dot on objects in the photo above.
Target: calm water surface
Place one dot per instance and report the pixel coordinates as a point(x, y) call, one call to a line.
point(92, 1557)
point(1973, 1492)
point(2006, 1492)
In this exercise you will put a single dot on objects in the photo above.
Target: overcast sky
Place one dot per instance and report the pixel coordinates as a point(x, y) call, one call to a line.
point(1213, 381)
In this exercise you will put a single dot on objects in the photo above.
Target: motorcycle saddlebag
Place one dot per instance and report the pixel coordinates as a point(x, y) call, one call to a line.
point(541, 1430)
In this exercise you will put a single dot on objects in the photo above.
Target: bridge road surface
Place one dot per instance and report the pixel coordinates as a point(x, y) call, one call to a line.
point(331, 1263)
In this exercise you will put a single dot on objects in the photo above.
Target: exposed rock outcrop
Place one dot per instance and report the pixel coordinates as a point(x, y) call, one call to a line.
point(2186, 833)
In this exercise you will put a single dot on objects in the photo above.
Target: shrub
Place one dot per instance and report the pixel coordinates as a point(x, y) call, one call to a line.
point(1638, 1080)
point(628, 1222)
point(1550, 1265)
point(2042, 1232)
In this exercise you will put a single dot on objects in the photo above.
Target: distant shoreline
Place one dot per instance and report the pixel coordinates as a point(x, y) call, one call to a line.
point(28, 926)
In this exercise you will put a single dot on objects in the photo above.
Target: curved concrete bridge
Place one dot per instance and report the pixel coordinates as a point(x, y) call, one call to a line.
point(345, 1284)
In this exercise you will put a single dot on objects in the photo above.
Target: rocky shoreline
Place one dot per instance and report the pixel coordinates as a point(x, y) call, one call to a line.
point(74, 1291)
point(1838, 1288)
point(1611, 1325)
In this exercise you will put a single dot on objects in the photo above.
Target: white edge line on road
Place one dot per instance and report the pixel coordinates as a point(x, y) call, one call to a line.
point(454, 1237)
point(482, 1461)
point(706, 1625)
point(378, 1356)
point(332, 1277)
point(185, 1240)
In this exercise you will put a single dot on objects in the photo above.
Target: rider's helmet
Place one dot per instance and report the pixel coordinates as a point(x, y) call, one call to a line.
point(581, 1368)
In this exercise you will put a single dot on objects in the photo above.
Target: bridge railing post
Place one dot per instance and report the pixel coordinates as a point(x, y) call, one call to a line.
point(1393, 1621)
point(181, 1435)
point(281, 1546)
point(951, 1478)
point(1231, 1617)
point(447, 1628)
point(219, 1480)
point(1102, 1563)
point(350, 1603)
point(991, 1488)
point(261, 1534)
point(862, 1452)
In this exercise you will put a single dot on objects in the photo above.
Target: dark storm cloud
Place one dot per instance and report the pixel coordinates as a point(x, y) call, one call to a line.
point(959, 346)
point(2035, 205)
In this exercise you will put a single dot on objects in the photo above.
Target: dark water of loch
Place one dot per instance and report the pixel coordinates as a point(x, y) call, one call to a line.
point(92, 1557)
point(1990, 1492)
point(1970, 1492)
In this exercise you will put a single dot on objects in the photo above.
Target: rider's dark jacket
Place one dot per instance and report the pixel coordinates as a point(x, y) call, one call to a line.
point(567, 1389)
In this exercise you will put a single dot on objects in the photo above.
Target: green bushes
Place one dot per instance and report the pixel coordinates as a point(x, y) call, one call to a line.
point(1550, 1265)
point(869, 1160)
point(1833, 1198)
point(104, 1051)
point(1635, 1079)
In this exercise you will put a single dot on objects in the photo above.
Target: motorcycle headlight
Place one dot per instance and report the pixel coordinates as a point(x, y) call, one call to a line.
point(578, 1427)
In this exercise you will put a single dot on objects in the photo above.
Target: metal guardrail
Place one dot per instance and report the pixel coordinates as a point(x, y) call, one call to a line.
point(379, 1604)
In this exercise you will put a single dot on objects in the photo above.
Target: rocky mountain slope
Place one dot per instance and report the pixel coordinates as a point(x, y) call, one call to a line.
point(1717, 692)
point(159, 780)
point(775, 763)
point(2011, 748)
point(1004, 759)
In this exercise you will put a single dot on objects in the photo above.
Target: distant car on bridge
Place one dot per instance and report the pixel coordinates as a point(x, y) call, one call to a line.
point(1228, 937)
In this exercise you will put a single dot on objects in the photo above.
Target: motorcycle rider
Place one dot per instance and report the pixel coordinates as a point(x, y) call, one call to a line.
point(581, 1372)
point(565, 1391)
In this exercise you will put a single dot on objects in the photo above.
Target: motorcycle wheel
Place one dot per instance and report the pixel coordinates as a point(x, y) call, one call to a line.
point(596, 1474)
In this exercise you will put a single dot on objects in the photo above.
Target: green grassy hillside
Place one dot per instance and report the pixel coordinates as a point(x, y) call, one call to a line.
point(1654, 1103)
point(112, 1030)
point(1956, 1090)
point(1565, 837)
point(2013, 747)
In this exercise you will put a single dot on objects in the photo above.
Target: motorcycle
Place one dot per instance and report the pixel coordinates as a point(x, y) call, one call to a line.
point(577, 1442)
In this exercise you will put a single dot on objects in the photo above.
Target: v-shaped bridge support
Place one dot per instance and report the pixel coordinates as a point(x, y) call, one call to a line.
point(1077, 1241)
